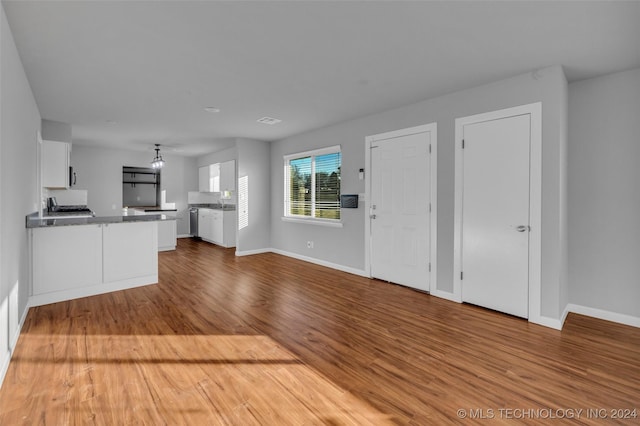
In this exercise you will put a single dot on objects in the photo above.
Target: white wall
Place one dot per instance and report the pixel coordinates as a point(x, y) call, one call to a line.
point(344, 246)
point(253, 163)
point(253, 166)
point(604, 193)
point(56, 131)
point(99, 171)
point(224, 155)
point(221, 156)
point(19, 122)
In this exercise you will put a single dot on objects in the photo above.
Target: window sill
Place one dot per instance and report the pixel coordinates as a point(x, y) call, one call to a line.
point(312, 221)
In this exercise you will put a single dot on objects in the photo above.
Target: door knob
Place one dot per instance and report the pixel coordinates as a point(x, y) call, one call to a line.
point(372, 216)
point(523, 228)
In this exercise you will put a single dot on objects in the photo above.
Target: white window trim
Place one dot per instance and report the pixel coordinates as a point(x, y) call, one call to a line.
point(336, 223)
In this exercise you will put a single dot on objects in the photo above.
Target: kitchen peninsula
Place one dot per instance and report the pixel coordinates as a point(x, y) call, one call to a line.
point(79, 257)
point(167, 234)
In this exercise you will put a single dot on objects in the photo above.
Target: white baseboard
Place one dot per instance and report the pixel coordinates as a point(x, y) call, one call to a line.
point(59, 296)
point(6, 359)
point(16, 336)
point(563, 318)
point(184, 236)
point(342, 268)
point(547, 322)
point(4, 365)
point(604, 315)
point(251, 252)
point(445, 295)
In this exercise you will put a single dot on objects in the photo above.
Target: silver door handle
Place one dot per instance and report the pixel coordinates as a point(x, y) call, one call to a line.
point(523, 228)
point(372, 216)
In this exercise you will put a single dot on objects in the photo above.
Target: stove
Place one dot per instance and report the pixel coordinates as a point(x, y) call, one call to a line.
point(69, 211)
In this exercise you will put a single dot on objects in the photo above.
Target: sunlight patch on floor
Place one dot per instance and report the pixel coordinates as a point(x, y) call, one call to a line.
point(182, 379)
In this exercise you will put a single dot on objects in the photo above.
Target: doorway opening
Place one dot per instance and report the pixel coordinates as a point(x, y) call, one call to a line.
point(140, 187)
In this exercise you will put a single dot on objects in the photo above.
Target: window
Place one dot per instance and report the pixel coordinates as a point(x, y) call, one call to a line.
point(312, 185)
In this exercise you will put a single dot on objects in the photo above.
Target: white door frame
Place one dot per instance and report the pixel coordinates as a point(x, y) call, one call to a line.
point(433, 195)
point(535, 200)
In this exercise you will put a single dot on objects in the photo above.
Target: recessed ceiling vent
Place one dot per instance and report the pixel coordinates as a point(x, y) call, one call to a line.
point(269, 120)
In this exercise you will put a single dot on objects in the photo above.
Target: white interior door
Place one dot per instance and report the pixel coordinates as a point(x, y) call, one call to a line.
point(399, 209)
point(495, 214)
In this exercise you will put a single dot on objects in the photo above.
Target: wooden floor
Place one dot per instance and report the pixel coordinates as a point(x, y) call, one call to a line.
point(270, 340)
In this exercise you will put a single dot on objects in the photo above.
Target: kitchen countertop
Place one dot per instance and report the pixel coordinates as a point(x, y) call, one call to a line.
point(153, 209)
point(214, 206)
point(33, 221)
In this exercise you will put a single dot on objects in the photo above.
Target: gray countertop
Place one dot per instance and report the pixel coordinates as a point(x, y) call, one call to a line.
point(33, 221)
point(152, 209)
point(214, 206)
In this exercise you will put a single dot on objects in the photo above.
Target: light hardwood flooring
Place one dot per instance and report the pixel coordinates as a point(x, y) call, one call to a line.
point(270, 340)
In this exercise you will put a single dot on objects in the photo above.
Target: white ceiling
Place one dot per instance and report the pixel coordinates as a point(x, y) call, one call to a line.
point(131, 74)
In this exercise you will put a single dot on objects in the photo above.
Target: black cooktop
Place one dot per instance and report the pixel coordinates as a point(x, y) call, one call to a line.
point(73, 209)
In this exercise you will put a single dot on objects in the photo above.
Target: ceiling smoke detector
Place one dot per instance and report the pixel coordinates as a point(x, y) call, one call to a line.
point(269, 120)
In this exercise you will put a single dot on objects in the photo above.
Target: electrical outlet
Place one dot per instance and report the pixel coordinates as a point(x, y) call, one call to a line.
point(310, 244)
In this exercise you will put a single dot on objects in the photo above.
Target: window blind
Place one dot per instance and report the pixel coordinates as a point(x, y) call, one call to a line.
point(312, 184)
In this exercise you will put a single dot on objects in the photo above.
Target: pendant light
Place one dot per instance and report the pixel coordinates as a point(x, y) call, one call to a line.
point(157, 162)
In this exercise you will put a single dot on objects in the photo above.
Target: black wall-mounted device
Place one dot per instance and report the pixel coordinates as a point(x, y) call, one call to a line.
point(349, 201)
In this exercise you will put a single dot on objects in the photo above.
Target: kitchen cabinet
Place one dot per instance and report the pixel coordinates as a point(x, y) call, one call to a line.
point(68, 262)
point(217, 177)
point(209, 178)
point(123, 258)
point(217, 226)
point(205, 224)
point(203, 179)
point(214, 177)
point(66, 258)
point(55, 164)
point(228, 176)
point(167, 232)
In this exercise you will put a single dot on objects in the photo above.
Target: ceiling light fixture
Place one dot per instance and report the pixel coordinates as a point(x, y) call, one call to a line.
point(157, 162)
point(269, 120)
point(212, 110)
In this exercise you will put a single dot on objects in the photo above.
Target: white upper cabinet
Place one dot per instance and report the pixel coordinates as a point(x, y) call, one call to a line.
point(209, 178)
point(217, 177)
point(55, 164)
point(203, 179)
point(228, 176)
point(214, 177)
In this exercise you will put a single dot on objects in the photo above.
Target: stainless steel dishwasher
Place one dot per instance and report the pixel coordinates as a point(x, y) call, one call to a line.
point(193, 221)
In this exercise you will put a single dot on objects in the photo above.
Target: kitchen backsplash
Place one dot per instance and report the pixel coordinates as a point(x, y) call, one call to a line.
point(68, 197)
point(194, 197)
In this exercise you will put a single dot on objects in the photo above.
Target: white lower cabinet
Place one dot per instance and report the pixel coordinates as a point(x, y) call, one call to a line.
point(167, 235)
point(167, 229)
point(66, 257)
point(217, 226)
point(123, 258)
point(205, 224)
point(68, 262)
